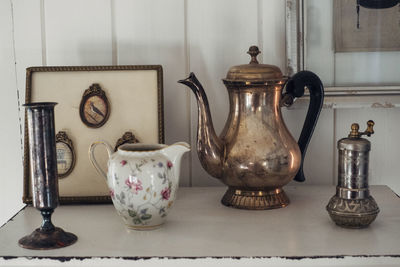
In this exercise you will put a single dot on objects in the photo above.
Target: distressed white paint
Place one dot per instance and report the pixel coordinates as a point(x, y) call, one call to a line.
point(343, 69)
point(28, 42)
point(206, 37)
point(378, 261)
point(319, 56)
point(199, 228)
point(10, 142)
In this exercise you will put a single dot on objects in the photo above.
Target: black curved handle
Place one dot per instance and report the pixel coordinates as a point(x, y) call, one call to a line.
point(295, 88)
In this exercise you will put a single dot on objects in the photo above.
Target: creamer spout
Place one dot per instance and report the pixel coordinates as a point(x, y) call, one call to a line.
point(174, 153)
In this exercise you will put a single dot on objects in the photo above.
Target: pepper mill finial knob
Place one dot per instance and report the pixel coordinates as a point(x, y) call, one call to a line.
point(253, 52)
point(368, 132)
point(354, 131)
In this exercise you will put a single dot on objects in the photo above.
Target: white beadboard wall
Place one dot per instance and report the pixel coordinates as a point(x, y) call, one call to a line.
point(206, 37)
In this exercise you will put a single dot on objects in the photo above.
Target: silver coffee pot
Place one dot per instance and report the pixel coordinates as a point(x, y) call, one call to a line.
point(352, 206)
point(255, 155)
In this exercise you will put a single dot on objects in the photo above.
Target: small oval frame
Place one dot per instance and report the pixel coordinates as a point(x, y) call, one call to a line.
point(94, 90)
point(62, 137)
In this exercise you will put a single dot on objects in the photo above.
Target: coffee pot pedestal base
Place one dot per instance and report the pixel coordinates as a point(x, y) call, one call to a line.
point(245, 198)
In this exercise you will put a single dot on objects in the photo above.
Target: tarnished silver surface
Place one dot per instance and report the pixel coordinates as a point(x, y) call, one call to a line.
point(347, 193)
point(259, 150)
point(352, 206)
point(43, 163)
point(255, 151)
point(353, 169)
point(352, 213)
point(42, 154)
point(255, 154)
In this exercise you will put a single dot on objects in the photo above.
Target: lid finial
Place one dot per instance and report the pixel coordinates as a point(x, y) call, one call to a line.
point(253, 52)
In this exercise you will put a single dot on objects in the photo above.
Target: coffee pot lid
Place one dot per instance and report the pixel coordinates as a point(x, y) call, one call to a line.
point(253, 72)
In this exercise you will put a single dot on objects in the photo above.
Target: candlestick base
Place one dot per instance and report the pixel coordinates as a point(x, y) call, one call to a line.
point(41, 239)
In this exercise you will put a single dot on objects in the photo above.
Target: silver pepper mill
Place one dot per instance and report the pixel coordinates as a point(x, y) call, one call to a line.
point(352, 206)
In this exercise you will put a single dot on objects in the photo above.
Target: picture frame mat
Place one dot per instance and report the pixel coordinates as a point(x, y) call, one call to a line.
point(134, 97)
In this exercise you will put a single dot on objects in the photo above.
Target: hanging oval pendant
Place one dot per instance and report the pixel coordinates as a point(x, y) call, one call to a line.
point(94, 109)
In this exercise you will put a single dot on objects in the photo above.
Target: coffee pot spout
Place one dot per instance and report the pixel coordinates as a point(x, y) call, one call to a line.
point(210, 148)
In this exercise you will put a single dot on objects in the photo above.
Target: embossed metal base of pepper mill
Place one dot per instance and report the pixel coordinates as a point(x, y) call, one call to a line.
point(43, 163)
point(353, 206)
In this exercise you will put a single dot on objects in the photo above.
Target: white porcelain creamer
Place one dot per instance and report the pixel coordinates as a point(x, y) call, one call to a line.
point(143, 180)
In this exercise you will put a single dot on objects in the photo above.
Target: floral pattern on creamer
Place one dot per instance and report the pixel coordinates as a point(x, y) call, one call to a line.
point(134, 184)
point(133, 187)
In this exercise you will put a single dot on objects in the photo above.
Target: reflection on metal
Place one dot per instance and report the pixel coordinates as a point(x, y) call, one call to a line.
point(353, 206)
point(255, 155)
point(43, 163)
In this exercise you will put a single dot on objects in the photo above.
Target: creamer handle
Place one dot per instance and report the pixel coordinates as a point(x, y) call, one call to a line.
point(93, 159)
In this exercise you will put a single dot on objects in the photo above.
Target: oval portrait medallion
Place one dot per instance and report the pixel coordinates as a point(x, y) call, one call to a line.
point(94, 107)
point(65, 154)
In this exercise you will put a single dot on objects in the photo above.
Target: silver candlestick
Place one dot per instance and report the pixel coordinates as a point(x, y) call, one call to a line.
point(44, 180)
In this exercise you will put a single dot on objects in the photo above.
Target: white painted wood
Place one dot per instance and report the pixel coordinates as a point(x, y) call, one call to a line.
point(318, 47)
point(385, 145)
point(206, 37)
point(272, 30)
point(374, 261)
point(199, 227)
point(78, 32)
point(367, 68)
point(219, 35)
point(294, 43)
point(10, 142)
point(28, 43)
point(153, 32)
point(343, 69)
point(357, 97)
point(319, 157)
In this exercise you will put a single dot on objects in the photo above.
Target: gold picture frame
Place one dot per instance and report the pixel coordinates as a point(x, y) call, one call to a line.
point(135, 96)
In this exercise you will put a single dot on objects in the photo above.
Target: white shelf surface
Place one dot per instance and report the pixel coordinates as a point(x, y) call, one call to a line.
point(199, 227)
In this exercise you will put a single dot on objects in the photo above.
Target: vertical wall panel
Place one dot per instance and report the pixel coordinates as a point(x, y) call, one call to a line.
point(219, 35)
point(10, 158)
point(272, 31)
point(319, 157)
point(153, 32)
point(28, 43)
point(319, 55)
point(384, 167)
point(206, 37)
point(78, 32)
